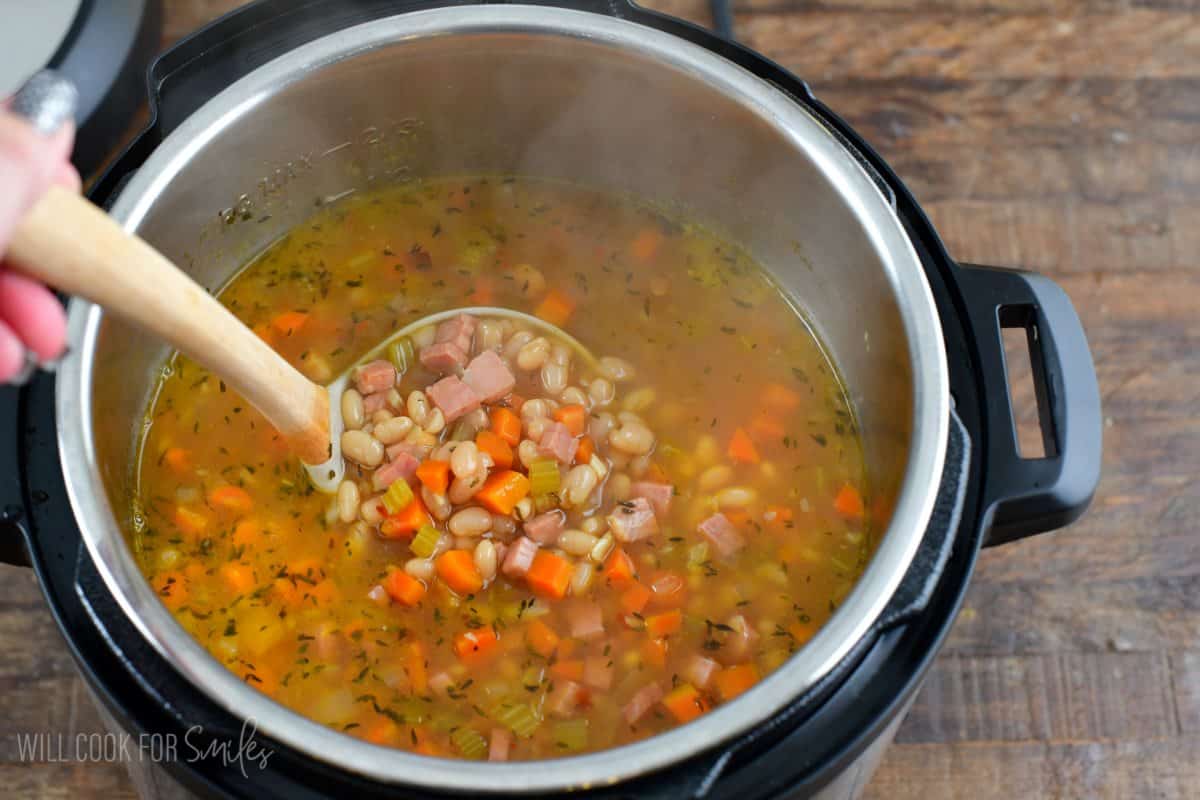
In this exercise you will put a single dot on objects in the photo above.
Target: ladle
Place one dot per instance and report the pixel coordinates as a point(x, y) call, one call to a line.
point(72, 245)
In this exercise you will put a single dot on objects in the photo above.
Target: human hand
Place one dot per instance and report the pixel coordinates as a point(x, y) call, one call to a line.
point(32, 321)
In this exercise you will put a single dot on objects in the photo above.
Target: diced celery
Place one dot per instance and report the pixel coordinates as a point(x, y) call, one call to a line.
point(425, 542)
point(546, 502)
point(571, 734)
point(469, 742)
point(697, 554)
point(402, 353)
point(544, 477)
point(518, 717)
point(398, 496)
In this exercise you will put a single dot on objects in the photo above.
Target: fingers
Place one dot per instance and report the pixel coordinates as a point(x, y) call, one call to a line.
point(28, 164)
point(12, 354)
point(34, 315)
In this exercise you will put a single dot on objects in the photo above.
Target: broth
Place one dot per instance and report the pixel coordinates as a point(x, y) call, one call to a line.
point(328, 605)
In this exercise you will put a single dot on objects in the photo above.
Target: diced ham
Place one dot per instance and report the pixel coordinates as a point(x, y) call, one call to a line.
point(499, 744)
point(700, 670)
point(659, 495)
point(442, 356)
point(519, 557)
point(545, 528)
point(633, 520)
point(453, 397)
point(457, 331)
point(402, 467)
point(721, 533)
point(586, 621)
point(564, 698)
point(377, 376)
point(598, 672)
point(489, 377)
point(642, 701)
point(331, 646)
point(374, 402)
point(439, 682)
point(412, 448)
point(667, 590)
point(557, 442)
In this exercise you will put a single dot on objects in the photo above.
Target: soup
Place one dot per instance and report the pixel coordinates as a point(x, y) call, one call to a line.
point(534, 553)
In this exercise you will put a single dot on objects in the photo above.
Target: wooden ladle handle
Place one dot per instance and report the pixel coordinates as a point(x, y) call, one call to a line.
point(72, 245)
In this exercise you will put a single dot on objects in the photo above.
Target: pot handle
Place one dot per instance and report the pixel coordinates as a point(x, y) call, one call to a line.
point(1024, 496)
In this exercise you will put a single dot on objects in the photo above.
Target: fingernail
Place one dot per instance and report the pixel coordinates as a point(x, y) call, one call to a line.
point(28, 367)
point(47, 100)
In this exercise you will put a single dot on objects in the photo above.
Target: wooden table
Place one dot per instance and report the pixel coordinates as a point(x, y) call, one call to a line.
point(1058, 135)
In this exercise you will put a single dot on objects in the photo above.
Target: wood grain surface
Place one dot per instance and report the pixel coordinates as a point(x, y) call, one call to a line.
point(1057, 135)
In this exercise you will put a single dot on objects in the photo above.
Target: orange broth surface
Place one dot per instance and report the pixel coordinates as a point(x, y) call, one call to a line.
point(337, 616)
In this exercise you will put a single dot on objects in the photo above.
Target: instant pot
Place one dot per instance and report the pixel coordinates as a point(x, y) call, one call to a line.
point(281, 106)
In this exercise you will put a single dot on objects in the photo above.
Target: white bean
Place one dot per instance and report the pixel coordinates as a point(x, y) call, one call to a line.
point(489, 335)
point(503, 526)
point(581, 578)
point(619, 487)
point(437, 504)
point(601, 391)
point(514, 345)
point(424, 337)
point(714, 477)
point(352, 409)
point(561, 354)
point(632, 438)
point(527, 452)
point(537, 426)
point(627, 416)
point(594, 525)
point(616, 369)
point(573, 395)
point(525, 508)
point(736, 497)
point(639, 465)
point(485, 559)
point(534, 409)
point(382, 415)
point(576, 542)
point(393, 430)
point(463, 489)
point(418, 406)
point(554, 377)
point(362, 448)
point(394, 399)
point(599, 426)
point(603, 547)
point(529, 279)
point(534, 354)
point(578, 484)
point(369, 510)
point(472, 521)
point(435, 422)
point(639, 399)
point(347, 501)
point(420, 568)
point(464, 461)
point(707, 451)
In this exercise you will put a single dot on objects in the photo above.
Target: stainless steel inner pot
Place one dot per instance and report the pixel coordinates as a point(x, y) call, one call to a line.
point(540, 92)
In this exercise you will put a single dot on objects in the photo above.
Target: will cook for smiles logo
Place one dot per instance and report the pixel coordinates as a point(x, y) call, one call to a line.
point(244, 753)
